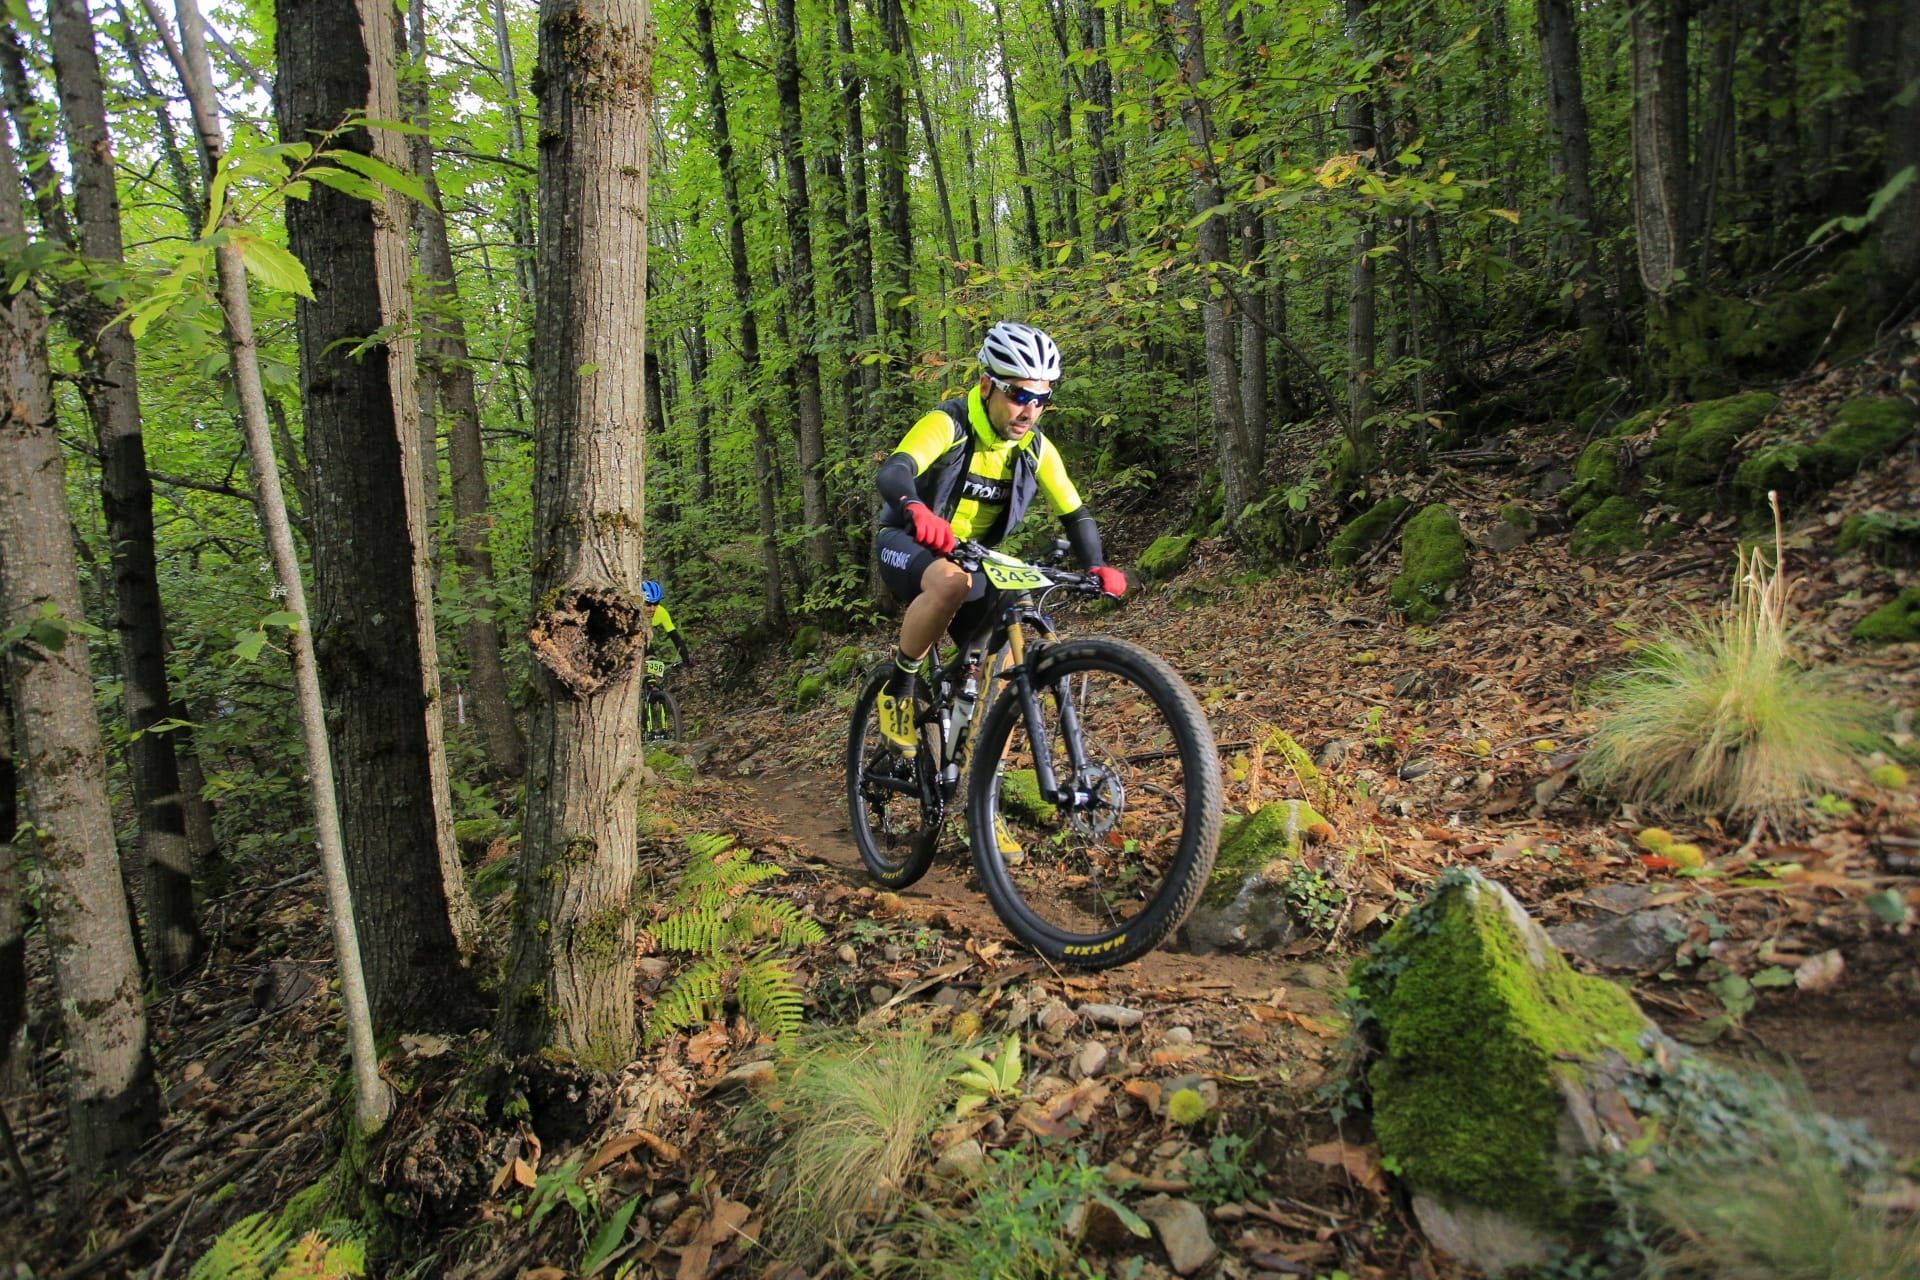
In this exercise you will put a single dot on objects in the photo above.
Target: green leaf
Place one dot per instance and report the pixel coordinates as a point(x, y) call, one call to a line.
point(271, 265)
point(346, 181)
point(1889, 907)
point(249, 645)
point(587, 370)
point(381, 172)
point(609, 1238)
point(1773, 975)
point(282, 618)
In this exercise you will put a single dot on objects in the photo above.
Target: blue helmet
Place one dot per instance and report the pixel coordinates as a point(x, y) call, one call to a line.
point(651, 592)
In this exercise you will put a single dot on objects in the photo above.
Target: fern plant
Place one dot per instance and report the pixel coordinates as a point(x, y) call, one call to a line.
point(738, 936)
point(258, 1247)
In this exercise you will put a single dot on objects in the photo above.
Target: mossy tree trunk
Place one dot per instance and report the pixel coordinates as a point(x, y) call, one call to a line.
point(114, 1106)
point(1569, 160)
point(373, 620)
point(569, 986)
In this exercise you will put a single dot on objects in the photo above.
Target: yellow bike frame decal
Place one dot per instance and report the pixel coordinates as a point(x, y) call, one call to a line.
point(1012, 575)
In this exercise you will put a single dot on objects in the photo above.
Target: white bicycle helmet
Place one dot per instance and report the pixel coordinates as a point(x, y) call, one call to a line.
point(1015, 350)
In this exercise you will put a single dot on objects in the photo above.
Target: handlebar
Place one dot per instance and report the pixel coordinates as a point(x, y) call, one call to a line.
point(969, 555)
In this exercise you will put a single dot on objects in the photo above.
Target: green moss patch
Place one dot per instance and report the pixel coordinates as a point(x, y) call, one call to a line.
point(1433, 559)
point(1865, 430)
point(1694, 446)
point(806, 642)
point(846, 663)
point(1021, 799)
point(1608, 529)
point(1895, 621)
point(1364, 530)
point(1888, 539)
point(1167, 556)
point(1481, 1021)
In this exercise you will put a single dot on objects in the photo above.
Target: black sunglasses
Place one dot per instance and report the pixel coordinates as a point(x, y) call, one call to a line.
point(1020, 395)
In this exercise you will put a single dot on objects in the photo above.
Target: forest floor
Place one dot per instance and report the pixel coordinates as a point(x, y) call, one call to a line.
point(1454, 743)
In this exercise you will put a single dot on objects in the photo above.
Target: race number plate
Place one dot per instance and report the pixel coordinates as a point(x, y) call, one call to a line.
point(656, 667)
point(1012, 575)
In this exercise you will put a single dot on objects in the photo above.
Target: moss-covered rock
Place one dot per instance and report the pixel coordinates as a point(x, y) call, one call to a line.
point(846, 663)
point(1020, 798)
point(1888, 539)
point(1244, 906)
point(665, 764)
point(808, 690)
point(1895, 621)
point(806, 642)
point(1694, 446)
point(1497, 1061)
point(1364, 530)
point(1865, 429)
point(1433, 560)
point(1167, 556)
point(1610, 528)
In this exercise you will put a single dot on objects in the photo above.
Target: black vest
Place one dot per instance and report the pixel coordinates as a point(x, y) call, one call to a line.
point(941, 483)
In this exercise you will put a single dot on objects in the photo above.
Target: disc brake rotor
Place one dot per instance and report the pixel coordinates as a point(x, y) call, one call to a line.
point(1100, 814)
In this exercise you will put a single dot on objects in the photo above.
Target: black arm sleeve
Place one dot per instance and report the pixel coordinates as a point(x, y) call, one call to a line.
point(1084, 535)
point(680, 644)
point(895, 481)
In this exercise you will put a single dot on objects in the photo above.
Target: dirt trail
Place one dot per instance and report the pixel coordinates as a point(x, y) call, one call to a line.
point(810, 809)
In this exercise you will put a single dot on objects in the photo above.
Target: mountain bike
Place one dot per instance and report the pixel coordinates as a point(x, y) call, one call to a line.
point(659, 714)
point(1094, 763)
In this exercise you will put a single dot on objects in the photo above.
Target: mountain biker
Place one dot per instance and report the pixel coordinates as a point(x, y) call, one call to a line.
point(662, 621)
point(970, 468)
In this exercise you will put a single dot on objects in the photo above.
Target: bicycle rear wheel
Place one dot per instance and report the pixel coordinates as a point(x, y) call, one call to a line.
point(893, 805)
point(662, 717)
point(1105, 880)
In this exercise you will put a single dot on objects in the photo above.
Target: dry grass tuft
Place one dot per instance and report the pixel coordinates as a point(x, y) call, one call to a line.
point(1723, 718)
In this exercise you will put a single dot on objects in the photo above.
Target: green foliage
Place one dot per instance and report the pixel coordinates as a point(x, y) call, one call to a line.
point(715, 916)
point(1016, 1226)
point(1721, 716)
point(1227, 1172)
point(1896, 621)
point(1364, 530)
point(983, 1082)
point(258, 1248)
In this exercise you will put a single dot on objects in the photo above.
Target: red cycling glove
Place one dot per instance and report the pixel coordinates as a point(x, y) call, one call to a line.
point(929, 530)
point(1111, 580)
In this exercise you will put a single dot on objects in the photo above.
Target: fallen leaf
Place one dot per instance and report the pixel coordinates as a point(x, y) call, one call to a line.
point(617, 1147)
point(1362, 1164)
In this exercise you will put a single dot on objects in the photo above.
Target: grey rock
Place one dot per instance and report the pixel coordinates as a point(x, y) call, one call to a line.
point(1055, 1017)
point(1254, 919)
point(963, 1161)
point(1177, 1036)
point(1635, 942)
point(1091, 1060)
point(1551, 482)
point(1182, 1228)
point(1111, 1015)
point(1488, 1238)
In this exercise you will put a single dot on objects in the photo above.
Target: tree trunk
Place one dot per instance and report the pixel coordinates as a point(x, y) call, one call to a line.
point(702, 413)
point(114, 1106)
point(1659, 136)
point(1568, 159)
point(174, 941)
point(523, 231)
point(933, 147)
point(570, 989)
point(813, 452)
point(13, 899)
point(373, 1100)
point(373, 621)
point(763, 451)
point(1223, 380)
point(865, 324)
point(443, 349)
point(1109, 230)
point(1898, 229)
point(896, 209)
point(1030, 241)
point(1361, 343)
point(1713, 151)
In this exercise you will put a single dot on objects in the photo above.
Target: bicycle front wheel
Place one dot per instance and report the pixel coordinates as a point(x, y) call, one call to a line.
point(663, 717)
point(893, 804)
point(1104, 879)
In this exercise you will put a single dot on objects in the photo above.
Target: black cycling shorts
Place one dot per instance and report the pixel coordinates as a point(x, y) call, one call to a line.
point(902, 564)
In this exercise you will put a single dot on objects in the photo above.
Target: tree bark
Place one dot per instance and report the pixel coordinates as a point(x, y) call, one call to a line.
point(865, 324)
point(1361, 342)
point(813, 452)
point(1659, 137)
point(373, 1100)
point(763, 451)
point(113, 1103)
point(111, 391)
point(373, 620)
point(896, 206)
point(570, 988)
point(13, 899)
point(1223, 379)
point(443, 349)
point(1898, 229)
point(1568, 160)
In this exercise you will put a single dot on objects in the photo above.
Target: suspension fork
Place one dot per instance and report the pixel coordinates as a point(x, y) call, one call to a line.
point(1047, 782)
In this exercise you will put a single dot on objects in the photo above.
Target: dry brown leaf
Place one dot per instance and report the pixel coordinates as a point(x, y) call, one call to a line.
point(617, 1147)
point(1362, 1164)
point(1147, 1091)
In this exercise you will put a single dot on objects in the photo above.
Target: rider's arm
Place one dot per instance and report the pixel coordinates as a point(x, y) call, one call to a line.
point(930, 437)
point(679, 642)
point(1082, 534)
